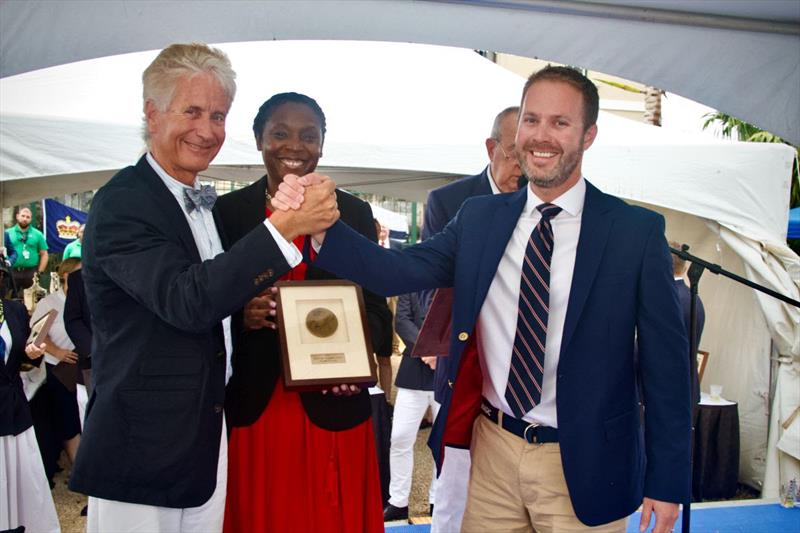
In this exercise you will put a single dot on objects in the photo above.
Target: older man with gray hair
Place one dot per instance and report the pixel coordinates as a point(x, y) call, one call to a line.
point(160, 291)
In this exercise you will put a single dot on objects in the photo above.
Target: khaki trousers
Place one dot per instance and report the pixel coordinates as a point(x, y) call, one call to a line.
point(519, 487)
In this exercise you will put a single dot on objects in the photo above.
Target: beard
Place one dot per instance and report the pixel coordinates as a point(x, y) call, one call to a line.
point(23, 225)
point(555, 177)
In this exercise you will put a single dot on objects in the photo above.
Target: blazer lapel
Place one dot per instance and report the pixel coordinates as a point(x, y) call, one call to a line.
point(482, 184)
point(165, 204)
point(498, 228)
point(595, 227)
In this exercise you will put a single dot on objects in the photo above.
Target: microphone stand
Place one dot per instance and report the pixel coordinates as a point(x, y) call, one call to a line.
point(698, 266)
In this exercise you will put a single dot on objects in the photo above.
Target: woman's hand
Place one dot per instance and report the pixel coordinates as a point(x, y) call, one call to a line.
point(65, 356)
point(34, 352)
point(344, 390)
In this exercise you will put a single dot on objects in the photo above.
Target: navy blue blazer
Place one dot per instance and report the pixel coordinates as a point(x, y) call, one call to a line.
point(444, 202)
point(409, 315)
point(442, 205)
point(621, 287)
point(154, 420)
point(15, 415)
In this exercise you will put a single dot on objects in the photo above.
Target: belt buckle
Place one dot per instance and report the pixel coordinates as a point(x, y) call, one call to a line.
point(534, 439)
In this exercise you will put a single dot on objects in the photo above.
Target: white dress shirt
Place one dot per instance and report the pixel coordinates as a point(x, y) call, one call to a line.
point(497, 320)
point(58, 332)
point(206, 237)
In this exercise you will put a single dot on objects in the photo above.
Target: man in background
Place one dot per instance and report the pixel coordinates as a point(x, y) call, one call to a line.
point(31, 249)
point(73, 249)
point(501, 175)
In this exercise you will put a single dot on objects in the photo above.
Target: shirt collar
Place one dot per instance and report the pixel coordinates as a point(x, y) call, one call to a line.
point(570, 202)
point(492, 184)
point(174, 186)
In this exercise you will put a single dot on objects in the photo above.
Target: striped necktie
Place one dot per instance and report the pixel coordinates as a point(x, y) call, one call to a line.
point(524, 389)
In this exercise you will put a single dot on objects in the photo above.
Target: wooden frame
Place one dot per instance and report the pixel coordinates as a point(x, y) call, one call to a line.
point(702, 360)
point(41, 327)
point(323, 335)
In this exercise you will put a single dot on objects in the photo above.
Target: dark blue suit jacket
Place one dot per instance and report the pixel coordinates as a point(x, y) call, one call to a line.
point(442, 205)
point(153, 422)
point(413, 373)
point(15, 415)
point(622, 286)
point(685, 299)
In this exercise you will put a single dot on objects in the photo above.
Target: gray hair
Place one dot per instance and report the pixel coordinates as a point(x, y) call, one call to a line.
point(177, 60)
point(498, 120)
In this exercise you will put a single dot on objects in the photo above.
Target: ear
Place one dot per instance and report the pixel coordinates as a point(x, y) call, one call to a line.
point(491, 145)
point(150, 115)
point(589, 136)
point(258, 143)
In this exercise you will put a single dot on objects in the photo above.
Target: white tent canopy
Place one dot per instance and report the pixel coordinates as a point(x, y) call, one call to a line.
point(742, 57)
point(420, 114)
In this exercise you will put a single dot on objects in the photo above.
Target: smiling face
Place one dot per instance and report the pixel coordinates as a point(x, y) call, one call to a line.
point(186, 137)
point(291, 142)
point(551, 138)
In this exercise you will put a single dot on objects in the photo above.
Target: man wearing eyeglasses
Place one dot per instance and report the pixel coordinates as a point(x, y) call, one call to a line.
point(30, 246)
point(501, 175)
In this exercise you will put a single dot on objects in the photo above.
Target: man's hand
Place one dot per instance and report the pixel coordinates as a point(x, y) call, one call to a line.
point(317, 210)
point(666, 514)
point(260, 311)
point(430, 360)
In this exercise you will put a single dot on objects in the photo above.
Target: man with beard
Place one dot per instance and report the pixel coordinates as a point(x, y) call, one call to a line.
point(30, 247)
point(552, 284)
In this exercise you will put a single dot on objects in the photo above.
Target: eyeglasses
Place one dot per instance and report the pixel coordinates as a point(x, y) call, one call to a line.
point(507, 156)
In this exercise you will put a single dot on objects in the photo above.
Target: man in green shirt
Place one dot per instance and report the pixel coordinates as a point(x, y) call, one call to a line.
point(73, 249)
point(31, 248)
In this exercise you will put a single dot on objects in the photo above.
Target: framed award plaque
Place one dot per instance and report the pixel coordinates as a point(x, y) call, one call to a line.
point(323, 333)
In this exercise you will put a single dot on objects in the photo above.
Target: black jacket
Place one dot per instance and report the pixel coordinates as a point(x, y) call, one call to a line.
point(154, 419)
point(413, 373)
point(256, 354)
point(15, 416)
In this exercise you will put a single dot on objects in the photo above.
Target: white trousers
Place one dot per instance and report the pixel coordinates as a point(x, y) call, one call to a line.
point(409, 409)
point(451, 491)
point(25, 498)
point(121, 517)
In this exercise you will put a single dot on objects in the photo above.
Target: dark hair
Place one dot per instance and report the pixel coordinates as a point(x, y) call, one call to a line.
point(268, 108)
point(571, 76)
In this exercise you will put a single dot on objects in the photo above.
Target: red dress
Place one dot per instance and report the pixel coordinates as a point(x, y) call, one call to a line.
point(286, 474)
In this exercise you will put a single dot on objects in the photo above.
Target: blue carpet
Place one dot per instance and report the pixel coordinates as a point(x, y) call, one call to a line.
point(767, 518)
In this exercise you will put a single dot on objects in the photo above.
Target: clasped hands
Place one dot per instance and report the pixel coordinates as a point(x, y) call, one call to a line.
point(305, 206)
point(314, 194)
point(302, 206)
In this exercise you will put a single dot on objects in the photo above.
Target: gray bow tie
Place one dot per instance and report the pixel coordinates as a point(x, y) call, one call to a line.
point(205, 196)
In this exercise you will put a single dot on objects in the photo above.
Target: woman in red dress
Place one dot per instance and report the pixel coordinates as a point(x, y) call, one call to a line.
point(302, 462)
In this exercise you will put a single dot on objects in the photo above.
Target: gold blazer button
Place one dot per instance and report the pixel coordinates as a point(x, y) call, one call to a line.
point(463, 336)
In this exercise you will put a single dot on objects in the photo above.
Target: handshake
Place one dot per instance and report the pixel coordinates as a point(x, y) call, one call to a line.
point(305, 206)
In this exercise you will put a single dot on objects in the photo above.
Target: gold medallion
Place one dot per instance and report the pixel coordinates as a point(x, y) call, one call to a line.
point(321, 322)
